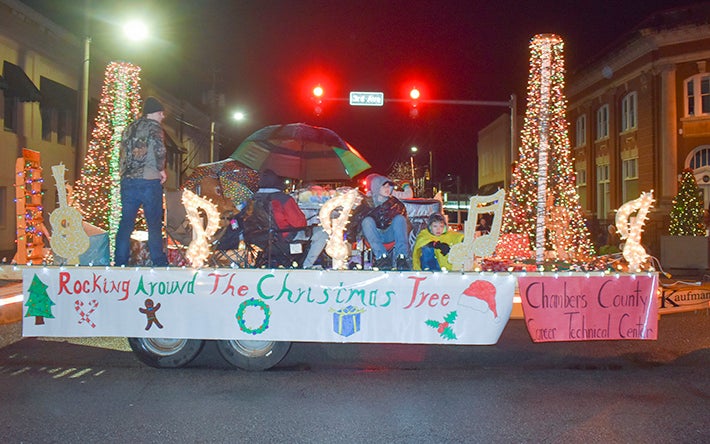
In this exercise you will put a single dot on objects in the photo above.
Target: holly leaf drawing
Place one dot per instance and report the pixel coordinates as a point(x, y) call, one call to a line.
point(451, 317)
point(448, 333)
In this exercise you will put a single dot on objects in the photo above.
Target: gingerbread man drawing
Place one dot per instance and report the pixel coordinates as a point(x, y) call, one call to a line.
point(149, 312)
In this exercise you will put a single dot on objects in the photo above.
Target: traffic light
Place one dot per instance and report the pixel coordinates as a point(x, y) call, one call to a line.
point(414, 95)
point(318, 99)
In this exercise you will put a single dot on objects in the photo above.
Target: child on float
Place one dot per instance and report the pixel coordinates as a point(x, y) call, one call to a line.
point(431, 248)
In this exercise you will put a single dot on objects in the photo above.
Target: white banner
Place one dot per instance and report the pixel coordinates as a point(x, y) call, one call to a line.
point(279, 305)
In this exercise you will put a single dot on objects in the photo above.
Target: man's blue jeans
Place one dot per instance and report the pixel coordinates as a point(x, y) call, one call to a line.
point(134, 194)
point(397, 232)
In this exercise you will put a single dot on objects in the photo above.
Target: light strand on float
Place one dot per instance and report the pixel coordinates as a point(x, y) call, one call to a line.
point(337, 247)
point(199, 249)
point(630, 229)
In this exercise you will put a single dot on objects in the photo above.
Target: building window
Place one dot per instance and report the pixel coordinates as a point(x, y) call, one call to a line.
point(629, 113)
point(10, 114)
point(47, 119)
point(581, 130)
point(602, 191)
point(582, 187)
point(64, 123)
point(697, 95)
point(603, 122)
point(700, 158)
point(630, 179)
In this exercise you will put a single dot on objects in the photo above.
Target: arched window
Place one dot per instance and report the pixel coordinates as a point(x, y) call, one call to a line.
point(699, 157)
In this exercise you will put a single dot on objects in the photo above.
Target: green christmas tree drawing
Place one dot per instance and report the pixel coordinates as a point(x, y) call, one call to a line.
point(39, 304)
point(687, 214)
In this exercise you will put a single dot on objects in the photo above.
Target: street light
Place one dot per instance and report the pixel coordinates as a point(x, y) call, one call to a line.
point(413, 151)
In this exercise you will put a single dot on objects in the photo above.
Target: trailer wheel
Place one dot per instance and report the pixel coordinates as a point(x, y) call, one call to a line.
point(253, 355)
point(166, 352)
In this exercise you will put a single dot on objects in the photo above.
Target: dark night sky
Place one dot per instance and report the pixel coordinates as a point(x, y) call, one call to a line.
point(266, 56)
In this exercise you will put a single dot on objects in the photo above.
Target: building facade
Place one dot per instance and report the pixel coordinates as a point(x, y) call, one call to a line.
point(638, 114)
point(42, 69)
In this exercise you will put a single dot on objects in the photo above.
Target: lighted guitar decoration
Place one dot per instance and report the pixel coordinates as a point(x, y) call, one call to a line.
point(630, 229)
point(69, 239)
point(199, 249)
point(462, 255)
point(336, 247)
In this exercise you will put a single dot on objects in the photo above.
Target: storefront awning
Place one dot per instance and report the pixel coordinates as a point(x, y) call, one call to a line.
point(57, 96)
point(19, 85)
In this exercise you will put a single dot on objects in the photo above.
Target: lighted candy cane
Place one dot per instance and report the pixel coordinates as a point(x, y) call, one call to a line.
point(78, 307)
point(337, 248)
point(199, 249)
point(630, 229)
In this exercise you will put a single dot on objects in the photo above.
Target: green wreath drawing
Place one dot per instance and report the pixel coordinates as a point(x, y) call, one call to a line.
point(253, 303)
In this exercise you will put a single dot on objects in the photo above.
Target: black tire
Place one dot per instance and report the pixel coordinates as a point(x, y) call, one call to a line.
point(165, 352)
point(253, 355)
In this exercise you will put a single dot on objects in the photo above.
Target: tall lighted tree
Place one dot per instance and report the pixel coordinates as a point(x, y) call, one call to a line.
point(97, 193)
point(687, 214)
point(542, 205)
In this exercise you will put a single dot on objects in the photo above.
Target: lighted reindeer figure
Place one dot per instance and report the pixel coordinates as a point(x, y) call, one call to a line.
point(462, 256)
point(630, 229)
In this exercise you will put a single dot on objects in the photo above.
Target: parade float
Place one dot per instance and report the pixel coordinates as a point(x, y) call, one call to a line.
point(538, 250)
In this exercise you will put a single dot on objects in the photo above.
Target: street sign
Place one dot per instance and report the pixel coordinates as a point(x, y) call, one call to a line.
point(367, 98)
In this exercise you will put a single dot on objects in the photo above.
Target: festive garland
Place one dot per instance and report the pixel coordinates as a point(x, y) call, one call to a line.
point(253, 303)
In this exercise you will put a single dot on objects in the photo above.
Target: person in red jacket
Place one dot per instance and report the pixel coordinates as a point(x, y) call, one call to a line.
point(287, 214)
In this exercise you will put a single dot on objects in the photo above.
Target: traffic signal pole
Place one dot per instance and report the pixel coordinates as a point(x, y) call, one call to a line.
point(511, 104)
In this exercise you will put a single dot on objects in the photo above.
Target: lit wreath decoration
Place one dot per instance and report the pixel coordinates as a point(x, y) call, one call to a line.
point(253, 303)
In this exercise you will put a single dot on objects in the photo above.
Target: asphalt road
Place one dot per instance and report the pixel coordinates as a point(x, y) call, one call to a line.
point(515, 391)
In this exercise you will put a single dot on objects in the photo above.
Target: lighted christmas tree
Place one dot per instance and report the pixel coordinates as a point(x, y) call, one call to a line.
point(542, 206)
point(38, 303)
point(687, 214)
point(97, 193)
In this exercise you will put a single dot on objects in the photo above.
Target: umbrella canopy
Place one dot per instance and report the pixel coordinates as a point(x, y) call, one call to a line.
point(238, 182)
point(301, 151)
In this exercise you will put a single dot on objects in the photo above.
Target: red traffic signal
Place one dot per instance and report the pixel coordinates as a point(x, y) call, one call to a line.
point(318, 92)
point(414, 95)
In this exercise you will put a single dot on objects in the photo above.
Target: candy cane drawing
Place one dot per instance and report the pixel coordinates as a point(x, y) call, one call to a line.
point(84, 315)
point(337, 248)
point(199, 249)
point(630, 229)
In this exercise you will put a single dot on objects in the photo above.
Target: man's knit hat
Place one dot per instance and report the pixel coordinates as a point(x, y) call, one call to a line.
point(152, 105)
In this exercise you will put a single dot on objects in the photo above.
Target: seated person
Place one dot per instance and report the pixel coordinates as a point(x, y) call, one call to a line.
point(482, 227)
point(287, 214)
point(433, 244)
point(383, 218)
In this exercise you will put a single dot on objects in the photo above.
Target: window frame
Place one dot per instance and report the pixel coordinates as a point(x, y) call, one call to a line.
point(694, 97)
point(581, 131)
point(629, 112)
point(603, 190)
point(602, 122)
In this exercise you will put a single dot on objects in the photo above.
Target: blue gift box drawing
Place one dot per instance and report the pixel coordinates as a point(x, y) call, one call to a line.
point(346, 321)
